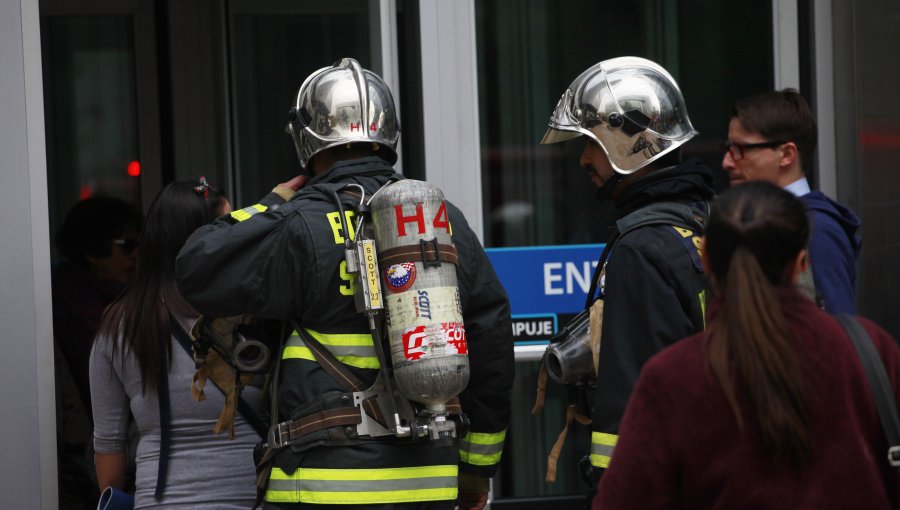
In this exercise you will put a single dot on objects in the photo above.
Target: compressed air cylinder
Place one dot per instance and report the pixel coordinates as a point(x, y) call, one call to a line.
point(424, 316)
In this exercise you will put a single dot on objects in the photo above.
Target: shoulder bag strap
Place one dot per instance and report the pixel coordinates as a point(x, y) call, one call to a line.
point(165, 418)
point(243, 407)
point(879, 383)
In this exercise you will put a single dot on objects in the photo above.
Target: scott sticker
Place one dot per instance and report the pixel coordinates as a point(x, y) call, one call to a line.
point(400, 277)
point(442, 339)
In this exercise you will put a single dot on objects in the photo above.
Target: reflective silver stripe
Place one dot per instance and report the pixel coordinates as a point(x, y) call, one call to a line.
point(352, 349)
point(443, 482)
point(363, 486)
point(601, 449)
point(247, 212)
point(480, 449)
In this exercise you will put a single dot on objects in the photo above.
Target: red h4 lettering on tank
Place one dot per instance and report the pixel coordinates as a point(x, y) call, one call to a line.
point(439, 220)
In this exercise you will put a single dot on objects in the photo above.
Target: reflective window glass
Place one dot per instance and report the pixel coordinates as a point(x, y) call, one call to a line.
point(275, 46)
point(90, 109)
point(529, 52)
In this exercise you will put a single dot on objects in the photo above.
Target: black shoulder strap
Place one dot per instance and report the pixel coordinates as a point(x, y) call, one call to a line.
point(165, 418)
point(595, 278)
point(243, 407)
point(879, 383)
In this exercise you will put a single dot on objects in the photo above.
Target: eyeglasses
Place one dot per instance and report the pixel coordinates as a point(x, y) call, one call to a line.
point(737, 149)
point(128, 245)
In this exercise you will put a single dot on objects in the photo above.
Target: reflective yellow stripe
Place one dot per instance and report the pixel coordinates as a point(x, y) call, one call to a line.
point(703, 306)
point(354, 349)
point(362, 486)
point(602, 445)
point(247, 212)
point(481, 448)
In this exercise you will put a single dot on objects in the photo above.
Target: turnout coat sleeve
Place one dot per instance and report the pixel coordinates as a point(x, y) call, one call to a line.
point(652, 291)
point(252, 266)
point(486, 314)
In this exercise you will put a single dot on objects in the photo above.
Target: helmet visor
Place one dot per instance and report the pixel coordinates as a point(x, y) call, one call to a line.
point(563, 125)
point(555, 136)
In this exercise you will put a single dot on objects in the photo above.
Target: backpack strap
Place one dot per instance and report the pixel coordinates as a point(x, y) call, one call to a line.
point(243, 407)
point(338, 371)
point(876, 375)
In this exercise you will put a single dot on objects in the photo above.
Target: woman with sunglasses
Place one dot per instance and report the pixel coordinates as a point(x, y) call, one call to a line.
point(137, 363)
point(770, 406)
point(98, 239)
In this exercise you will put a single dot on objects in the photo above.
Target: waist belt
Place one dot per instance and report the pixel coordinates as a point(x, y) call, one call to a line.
point(293, 431)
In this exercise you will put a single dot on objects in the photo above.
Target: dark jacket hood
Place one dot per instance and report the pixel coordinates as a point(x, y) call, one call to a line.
point(689, 181)
point(817, 201)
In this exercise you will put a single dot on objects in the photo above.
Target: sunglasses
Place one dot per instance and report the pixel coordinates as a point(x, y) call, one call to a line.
point(128, 245)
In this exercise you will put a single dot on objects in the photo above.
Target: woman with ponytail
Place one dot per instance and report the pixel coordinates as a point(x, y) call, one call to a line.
point(770, 406)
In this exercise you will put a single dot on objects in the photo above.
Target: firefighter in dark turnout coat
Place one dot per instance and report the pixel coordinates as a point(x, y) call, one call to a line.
point(288, 263)
point(633, 118)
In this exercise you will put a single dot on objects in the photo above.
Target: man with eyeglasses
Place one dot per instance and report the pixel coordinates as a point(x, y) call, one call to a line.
point(772, 137)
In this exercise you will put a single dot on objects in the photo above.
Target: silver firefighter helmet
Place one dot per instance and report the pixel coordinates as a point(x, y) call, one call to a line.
point(343, 104)
point(630, 106)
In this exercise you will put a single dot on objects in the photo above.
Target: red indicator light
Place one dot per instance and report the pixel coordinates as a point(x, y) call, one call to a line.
point(134, 168)
point(85, 192)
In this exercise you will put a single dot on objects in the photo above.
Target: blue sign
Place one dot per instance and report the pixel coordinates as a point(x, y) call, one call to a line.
point(544, 284)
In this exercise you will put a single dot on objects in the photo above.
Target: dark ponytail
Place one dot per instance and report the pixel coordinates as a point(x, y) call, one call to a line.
point(755, 233)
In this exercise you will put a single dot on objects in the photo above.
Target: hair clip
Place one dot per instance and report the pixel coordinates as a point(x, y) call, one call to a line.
point(203, 188)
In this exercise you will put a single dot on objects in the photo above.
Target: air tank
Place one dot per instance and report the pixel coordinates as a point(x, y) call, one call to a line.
point(426, 333)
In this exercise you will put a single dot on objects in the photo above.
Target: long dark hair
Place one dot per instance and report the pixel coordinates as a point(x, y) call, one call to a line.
point(755, 233)
point(141, 313)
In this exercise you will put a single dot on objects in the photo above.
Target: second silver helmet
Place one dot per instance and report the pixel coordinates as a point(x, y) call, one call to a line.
point(630, 106)
point(343, 104)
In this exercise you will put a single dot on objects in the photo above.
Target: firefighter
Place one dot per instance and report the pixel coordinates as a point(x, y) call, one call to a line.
point(289, 264)
point(633, 119)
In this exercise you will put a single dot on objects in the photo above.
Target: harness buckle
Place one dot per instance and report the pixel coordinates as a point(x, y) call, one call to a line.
point(423, 247)
point(894, 455)
point(279, 435)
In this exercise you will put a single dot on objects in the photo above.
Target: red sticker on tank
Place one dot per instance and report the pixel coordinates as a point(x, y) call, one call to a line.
point(455, 334)
point(414, 343)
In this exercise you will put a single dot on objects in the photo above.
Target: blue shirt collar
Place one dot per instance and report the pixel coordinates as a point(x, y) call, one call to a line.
point(799, 187)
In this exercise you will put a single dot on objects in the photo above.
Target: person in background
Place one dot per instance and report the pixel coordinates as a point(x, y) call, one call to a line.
point(136, 361)
point(98, 239)
point(772, 137)
point(632, 119)
point(770, 406)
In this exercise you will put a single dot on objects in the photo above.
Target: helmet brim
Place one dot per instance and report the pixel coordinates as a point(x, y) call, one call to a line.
point(556, 136)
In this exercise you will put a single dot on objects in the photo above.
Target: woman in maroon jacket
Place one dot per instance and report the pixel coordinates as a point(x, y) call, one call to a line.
point(770, 407)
